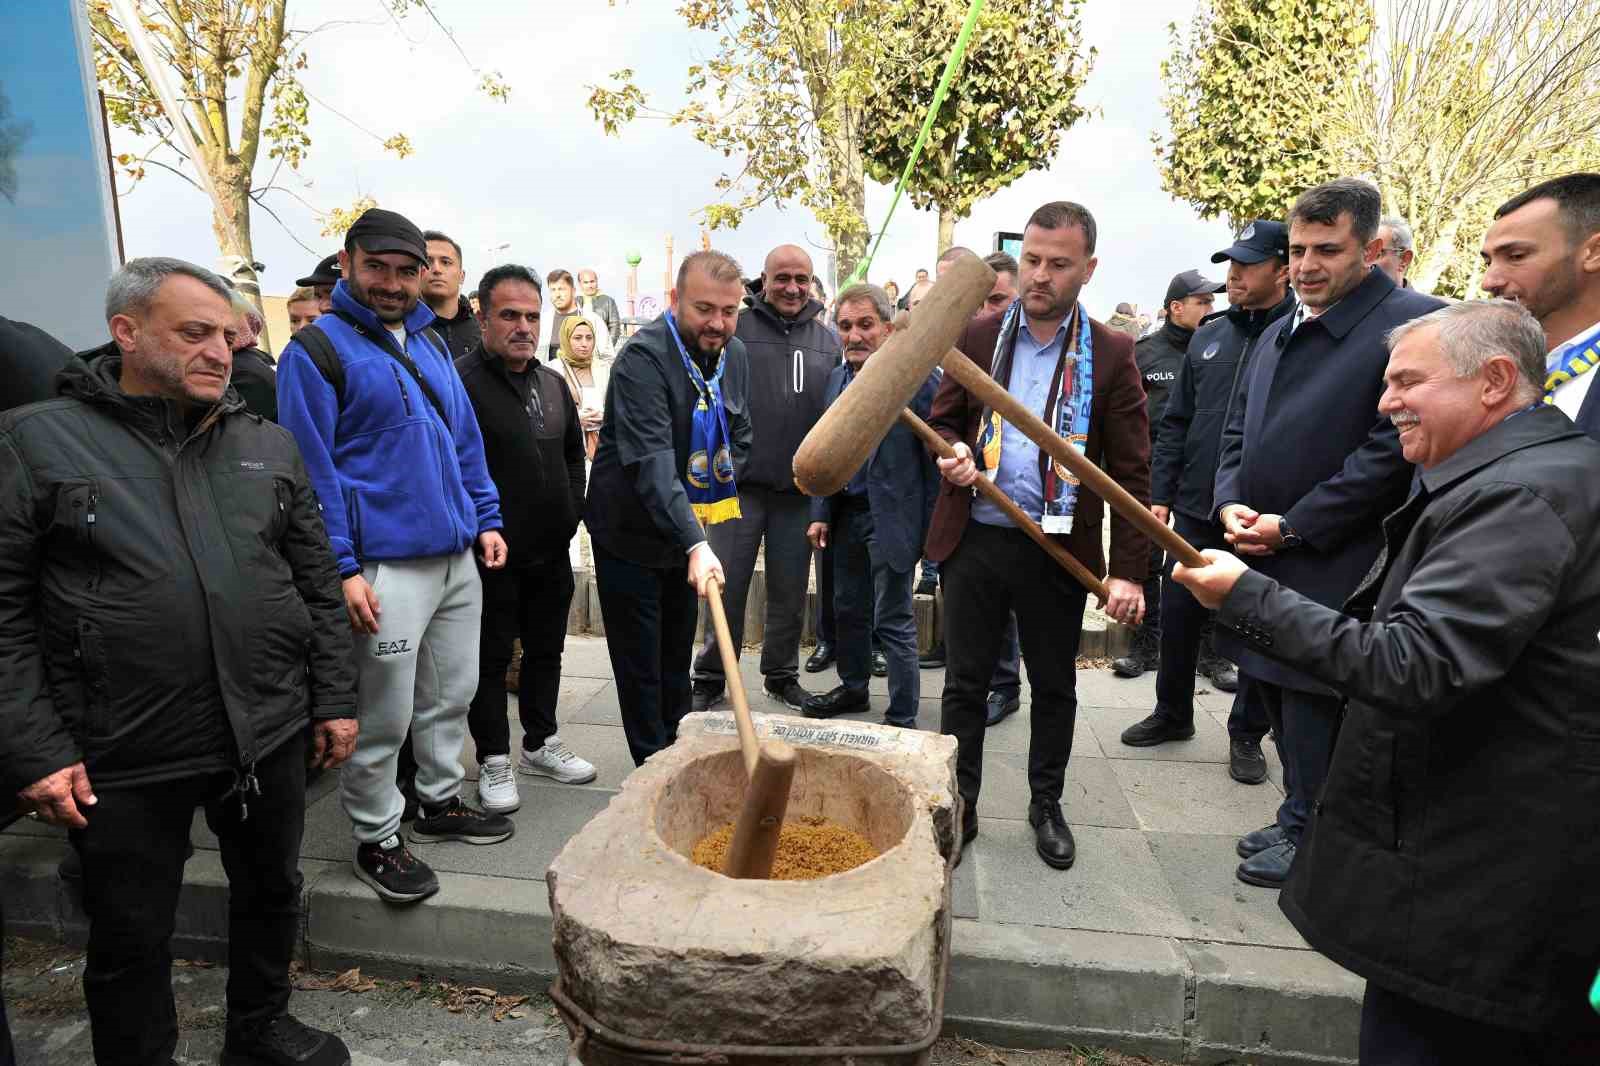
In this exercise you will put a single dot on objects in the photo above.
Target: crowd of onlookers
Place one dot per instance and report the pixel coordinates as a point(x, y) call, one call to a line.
point(223, 573)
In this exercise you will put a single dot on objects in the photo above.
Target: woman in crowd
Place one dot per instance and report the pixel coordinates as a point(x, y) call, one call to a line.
point(586, 377)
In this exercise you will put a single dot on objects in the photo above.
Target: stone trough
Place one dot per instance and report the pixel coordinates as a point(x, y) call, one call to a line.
point(652, 948)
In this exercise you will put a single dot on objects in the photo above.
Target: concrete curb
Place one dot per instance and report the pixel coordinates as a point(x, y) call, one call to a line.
point(1012, 985)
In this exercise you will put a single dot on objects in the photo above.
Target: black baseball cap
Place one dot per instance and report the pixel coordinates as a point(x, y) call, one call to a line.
point(1261, 239)
point(1192, 283)
point(378, 231)
point(327, 273)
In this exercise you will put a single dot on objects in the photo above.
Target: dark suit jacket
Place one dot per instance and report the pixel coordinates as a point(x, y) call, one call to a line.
point(902, 482)
point(1119, 441)
point(1588, 418)
point(1305, 440)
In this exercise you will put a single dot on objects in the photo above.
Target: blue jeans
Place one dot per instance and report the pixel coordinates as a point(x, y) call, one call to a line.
point(873, 600)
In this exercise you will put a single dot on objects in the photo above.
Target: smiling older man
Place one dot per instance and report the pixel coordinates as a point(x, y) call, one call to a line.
point(1451, 854)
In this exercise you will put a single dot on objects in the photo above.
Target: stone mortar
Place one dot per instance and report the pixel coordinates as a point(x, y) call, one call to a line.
point(658, 948)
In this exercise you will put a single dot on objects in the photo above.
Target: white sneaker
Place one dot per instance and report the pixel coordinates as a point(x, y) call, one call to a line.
point(556, 760)
point(497, 785)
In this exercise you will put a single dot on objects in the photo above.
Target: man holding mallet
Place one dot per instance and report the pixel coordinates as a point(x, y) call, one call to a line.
point(1081, 378)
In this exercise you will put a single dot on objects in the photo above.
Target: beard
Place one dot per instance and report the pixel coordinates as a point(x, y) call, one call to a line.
point(408, 302)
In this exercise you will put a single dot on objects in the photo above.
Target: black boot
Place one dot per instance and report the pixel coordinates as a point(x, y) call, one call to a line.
point(1144, 655)
point(284, 1041)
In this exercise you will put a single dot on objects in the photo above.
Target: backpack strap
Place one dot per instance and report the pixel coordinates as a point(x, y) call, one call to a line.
point(399, 354)
point(323, 357)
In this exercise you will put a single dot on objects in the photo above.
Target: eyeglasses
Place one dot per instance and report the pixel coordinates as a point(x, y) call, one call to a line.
point(1390, 250)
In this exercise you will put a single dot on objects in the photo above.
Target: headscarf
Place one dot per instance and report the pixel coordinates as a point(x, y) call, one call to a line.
point(566, 353)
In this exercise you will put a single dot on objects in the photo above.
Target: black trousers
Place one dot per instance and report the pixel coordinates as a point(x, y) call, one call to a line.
point(1183, 627)
point(7, 1055)
point(649, 618)
point(133, 853)
point(1399, 1031)
point(530, 604)
point(1305, 725)
point(994, 571)
point(825, 623)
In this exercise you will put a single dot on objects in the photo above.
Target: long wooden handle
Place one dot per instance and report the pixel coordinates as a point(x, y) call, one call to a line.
point(940, 447)
point(975, 380)
point(766, 800)
point(748, 744)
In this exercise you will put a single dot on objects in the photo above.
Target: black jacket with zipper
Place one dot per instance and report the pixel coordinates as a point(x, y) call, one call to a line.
point(461, 334)
point(1452, 853)
point(1188, 431)
point(789, 366)
point(1159, 356)
point(169, 604)
point(534, 454)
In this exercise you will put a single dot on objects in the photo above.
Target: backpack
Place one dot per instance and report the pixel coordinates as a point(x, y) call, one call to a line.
point(323, 356)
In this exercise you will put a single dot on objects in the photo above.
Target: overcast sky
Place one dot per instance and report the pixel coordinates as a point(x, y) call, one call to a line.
point(538, 174)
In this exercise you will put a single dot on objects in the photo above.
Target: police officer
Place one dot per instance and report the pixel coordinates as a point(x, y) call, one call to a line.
point(1184, 464)
point(1190, 298)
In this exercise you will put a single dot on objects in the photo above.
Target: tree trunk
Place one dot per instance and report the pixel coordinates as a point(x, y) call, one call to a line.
point(947, 229)
point(1433, 255)
point(230, 222)
point(852, 185)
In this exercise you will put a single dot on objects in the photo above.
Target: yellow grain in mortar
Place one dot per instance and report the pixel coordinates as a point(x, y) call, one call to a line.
point(808, 848)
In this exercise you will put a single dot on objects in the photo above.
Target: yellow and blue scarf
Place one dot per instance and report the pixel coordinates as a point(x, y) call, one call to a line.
point(1067, 409)
point(1583, 357)
point(713, 496)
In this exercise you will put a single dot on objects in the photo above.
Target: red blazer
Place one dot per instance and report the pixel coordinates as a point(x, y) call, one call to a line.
point(1119, 441)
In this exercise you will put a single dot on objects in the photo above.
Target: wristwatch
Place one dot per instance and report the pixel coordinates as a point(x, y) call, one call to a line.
point(1291, 539)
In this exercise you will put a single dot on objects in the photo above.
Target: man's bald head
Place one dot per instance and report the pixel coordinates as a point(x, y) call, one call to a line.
point(786, 280)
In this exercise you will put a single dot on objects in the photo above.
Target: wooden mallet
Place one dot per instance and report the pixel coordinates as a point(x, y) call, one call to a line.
point(845, 435)
point(769, 767)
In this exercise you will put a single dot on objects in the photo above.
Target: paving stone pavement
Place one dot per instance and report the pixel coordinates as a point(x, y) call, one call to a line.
point(1152, 896)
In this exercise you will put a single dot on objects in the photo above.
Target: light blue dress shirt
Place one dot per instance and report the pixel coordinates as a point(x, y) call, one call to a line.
point(1032, 367)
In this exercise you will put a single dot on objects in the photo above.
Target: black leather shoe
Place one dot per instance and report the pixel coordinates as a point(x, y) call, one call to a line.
point(1144, 655)
point(1223, 674)
point(1269, 868)
point(1246, 763)
point(880, 665)
point(841, 699)
point(704, 695)
point(1000, 705)
point(1260, 840)
point(1155, 729)
point(820, 659)
point(1052, 838)
point(933, 658)
point(284, 1041)
point(787, 692)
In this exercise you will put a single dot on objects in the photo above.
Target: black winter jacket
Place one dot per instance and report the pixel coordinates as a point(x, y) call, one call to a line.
point(255, 379)
point(637, 507)
point(1451, 856)
point(1159, 356)
point(461, 333)
point(1184, 453)
point(534, 454)
point(30, 359)
point(169, 605)
point(789, 367)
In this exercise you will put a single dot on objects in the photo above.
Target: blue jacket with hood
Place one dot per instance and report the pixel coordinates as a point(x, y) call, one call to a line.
point(394, 480)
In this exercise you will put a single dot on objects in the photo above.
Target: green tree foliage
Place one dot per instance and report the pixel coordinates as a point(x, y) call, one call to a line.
point(1464, 105)
point(234, 66)
point(1015, 93)
point(782, 98)
point(1246, 92)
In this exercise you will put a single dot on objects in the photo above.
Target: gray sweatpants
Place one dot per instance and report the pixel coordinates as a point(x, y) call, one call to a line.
point(419, 673)
point(778, 520)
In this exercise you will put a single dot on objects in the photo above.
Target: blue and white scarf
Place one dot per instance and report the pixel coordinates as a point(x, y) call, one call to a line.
point(1582, 355)
point(709, 477)
point(1066, 412)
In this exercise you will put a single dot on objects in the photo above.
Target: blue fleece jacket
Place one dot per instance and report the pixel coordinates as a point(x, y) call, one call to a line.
point(394, 480)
